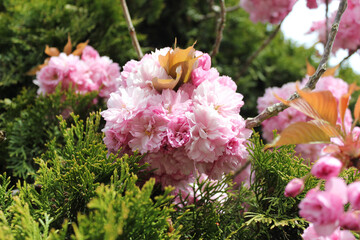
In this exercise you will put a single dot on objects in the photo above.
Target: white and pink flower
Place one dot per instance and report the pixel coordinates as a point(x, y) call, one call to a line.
point(191, 130)
point(87, 73)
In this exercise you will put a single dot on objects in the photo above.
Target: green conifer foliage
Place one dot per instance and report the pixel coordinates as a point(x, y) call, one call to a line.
point(82, 190)
point(70, 172)
point(131, 214)
point(29, 121)
point(272, 215)
point(27, 26)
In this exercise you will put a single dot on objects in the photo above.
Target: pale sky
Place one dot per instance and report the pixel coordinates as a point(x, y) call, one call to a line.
point(298, 23)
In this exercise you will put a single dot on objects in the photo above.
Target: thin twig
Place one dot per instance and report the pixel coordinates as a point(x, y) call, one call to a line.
point(278, 107)
point(2, 136)
point(220, 29)
point(233, 8)
point(259, 50)
point(327, 19)
point(351, 52)
point(131, 28)
point(240, 170)
point(216, 11)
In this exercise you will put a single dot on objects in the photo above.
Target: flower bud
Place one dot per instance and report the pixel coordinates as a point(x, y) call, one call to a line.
point(294, 187)
point(350, 221)
point(354, 194)
point(326, 167)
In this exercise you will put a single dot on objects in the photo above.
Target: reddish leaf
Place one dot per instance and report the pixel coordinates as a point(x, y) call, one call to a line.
point(68, 46)
point(79, 48)
point(310, 70)
point(52, 51)
point(344, 101)
point(300, 132)
point(330, 71)
point(320, 105)
point(357, 109)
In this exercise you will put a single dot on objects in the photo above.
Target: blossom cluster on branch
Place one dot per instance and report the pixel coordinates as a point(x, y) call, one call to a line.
point(336, 86)
point(176, 109)
point(83, 70)
point(273, 11)
point(315, 3)
point(348, 36)
point(325, 209)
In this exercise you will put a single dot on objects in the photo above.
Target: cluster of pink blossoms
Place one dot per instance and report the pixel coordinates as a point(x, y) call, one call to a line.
point(325, 209)
point(348, 35)
point(86, 73)
point(195, 129)
point(336, 210)
point(315, 3)
point(336, 86)
point(273, 11)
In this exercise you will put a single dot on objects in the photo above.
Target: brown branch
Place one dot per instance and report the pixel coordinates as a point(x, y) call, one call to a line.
point(211, 4)
point(327, 19)
point(351, 52)
point(2, 136)
point(131, 28)
point(278, 107)
point(259, 50)
point(217, 11)
point(240, 170)
point(220, 29)
point(233, 8)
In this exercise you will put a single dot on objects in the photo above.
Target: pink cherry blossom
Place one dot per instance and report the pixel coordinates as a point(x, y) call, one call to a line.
point(178, 132)
point(89, 53)
point(48, 78)
point(337, 186)
point(125, 104)
point(88, 73)
point(228, 82)
point(199, 75)
point(294, 187)
point(310, 234)
point(348, 36)
point(221, 98)
point(350, 221)
point(194, 129)
point(323, 209)
point(336, 86)
point(148, 129)
point(115, 139)
point(204, 61)
point(171, 168)
point(210, 132)
point(354, 195)
point(273, 11)
point(326, 167)
point(314, 3)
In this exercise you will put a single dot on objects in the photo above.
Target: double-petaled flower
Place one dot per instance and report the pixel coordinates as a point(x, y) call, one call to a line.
point(54, 52)
point(324, 110)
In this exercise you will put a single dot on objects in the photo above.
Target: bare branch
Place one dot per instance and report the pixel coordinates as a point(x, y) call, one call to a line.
point(327, 19)
point(131, 28)
point(220, 29)
point(351, 52)
point(240, 170)
point(278, 107)
point(216, 11)
point(2, 136)
point(259, 50)
point(233, 8)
